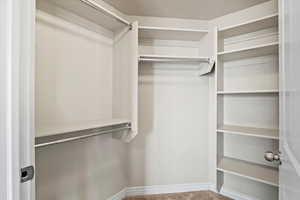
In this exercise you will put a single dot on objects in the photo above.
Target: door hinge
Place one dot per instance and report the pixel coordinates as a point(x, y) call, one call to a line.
point(27, 174)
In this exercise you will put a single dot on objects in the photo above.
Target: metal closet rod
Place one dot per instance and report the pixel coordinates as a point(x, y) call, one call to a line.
point(79, 137)
point(106, 12)
point(174, 59)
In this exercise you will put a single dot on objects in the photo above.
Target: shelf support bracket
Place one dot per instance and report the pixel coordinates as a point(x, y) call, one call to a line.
point(209, 68)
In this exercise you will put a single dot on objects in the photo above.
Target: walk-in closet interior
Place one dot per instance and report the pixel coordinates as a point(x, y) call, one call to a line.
point(144, 97)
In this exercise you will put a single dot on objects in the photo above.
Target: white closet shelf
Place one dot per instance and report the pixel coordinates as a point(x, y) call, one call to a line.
point(164, 33)
point(80, 126)
point(248, 92)
point(80, 131)
point(253, 51)
point(250, 26)
point(165, 58)
point(249, 131)
point(92, 11)
point(255, 172)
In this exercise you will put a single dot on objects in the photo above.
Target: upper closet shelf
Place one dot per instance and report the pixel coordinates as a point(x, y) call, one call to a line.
point(164, 33)
point(90, 10)
point(76, 131)
point(253, 51)
point(250, 26)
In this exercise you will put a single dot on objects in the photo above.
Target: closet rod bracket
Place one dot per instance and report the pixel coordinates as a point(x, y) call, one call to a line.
point(106, 12)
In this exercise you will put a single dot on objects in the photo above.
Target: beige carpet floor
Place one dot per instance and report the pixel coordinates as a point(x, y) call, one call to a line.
point(203, 195)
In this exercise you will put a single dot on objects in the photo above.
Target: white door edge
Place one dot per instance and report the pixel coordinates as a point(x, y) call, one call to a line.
point(9, 115)
point(26, 84)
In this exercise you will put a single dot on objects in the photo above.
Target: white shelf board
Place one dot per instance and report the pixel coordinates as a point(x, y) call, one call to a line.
point(164, 33)
point(165, 58)
point(250, 26)
point(91, 11)
point(249, 131)
point(255, 172)
point(248, 92)
point(80, 126)
point(253, 51)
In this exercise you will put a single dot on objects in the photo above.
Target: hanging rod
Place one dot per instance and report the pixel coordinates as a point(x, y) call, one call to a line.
point(105, 11)
point(78, 135)
point(204, 70)
point(160, 58)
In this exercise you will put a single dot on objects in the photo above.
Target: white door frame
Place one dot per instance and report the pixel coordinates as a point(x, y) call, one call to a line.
point(17, 18)
point(9, 123)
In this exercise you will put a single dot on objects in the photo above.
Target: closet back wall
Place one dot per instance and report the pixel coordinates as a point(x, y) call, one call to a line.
point(172, 145)
point(94, 169)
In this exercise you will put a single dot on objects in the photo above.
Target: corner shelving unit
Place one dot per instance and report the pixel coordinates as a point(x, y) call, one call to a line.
point(235, 82)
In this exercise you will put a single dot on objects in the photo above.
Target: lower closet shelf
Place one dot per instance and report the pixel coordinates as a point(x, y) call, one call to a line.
point(79, 126)
point(79, 131)
point(256, 172)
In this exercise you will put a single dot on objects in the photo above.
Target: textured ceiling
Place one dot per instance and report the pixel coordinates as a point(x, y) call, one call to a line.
point(193, 9)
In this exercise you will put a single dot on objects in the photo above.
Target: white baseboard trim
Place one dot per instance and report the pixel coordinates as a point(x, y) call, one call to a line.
point(163, 189)
point(177, 188)
point(236, 195)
